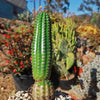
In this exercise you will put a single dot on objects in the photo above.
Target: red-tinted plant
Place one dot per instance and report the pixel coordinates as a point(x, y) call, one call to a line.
point(19, 49)
point(94, 40)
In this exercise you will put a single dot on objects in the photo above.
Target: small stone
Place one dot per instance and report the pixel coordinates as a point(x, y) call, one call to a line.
point(21, 98)
point(2, 88)
point(6, 69)
point(61, 96)
point(29, 98)
point(69, 98)
point(58, 99)
point(26, 95)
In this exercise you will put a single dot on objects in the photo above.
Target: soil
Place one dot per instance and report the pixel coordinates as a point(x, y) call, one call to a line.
point(7, 87)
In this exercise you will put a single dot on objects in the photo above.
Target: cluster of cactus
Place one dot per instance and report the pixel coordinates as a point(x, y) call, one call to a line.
point(70, 34)
point(64, 43)
point(41, 58)
point(25, 16)
point(90, 79)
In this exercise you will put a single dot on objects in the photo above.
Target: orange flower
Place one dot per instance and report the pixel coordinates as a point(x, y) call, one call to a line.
point(7, 61)
point(24, 34)
point(26, 62)
point(14, 70)
point(30, 58)
point(78, 70)
point(21, 62)
point(3, 41)
point(9, 29)
point(16, 62)
point(22, 28)
point(16, 36)
point(7, 43)
point(28, 31)
point(21, 54)
point(73, 98)
point(2, 25)
point(17, 72)
point(10, 52)
point(5, 35)
point(26, 23)
point(3, 58)
point(3, 65)
point(22, 66)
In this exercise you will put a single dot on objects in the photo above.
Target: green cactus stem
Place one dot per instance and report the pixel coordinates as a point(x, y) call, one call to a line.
point(43, 90)
point(41, 47)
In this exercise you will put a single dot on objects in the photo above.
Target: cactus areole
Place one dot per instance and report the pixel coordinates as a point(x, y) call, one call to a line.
point(41, 47)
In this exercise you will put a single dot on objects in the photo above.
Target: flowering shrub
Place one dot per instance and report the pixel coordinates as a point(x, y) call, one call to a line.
point(94, 39)
point(5, 25)
point(19, 46)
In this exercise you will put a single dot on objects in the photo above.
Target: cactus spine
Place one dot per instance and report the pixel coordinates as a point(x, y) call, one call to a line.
point(41, 57)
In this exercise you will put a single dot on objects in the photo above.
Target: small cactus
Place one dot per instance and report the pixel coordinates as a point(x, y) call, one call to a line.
point(43, 90)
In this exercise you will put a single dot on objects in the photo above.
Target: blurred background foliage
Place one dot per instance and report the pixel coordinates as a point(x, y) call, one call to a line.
point(65, 30)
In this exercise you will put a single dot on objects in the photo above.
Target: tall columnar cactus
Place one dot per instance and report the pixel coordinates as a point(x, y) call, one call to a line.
point(41, 47)
point(41, 58)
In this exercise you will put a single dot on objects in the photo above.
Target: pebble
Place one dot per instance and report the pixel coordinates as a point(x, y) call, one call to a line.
point(22, 95)
point(2, 88)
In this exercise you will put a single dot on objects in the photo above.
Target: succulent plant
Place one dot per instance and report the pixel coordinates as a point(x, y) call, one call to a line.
point(41, 58)
point(90, 79)
point(69, 60)
point(64, 42)
point(64, 47)
point(25, 16)
point(41, 47)
point(43, 90)
point(70, 35)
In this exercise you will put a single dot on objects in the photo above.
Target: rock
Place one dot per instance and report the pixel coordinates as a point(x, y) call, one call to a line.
point(6, 70)
point(26, 95)
point(21, 95)
point(62, 96)
point(2, 88)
